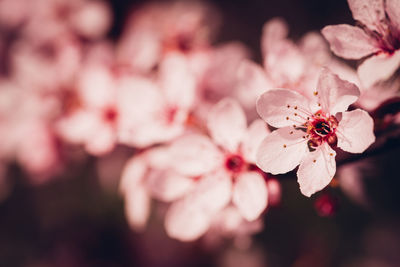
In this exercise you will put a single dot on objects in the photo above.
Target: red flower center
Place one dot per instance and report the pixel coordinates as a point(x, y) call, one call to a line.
point(110, 115)
point(321, 128)
point(235, 163)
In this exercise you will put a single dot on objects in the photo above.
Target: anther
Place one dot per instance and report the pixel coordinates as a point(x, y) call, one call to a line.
point(314, 160)
point(315, 93)
point(284, 146)
point(287, 118)
point(295, 107)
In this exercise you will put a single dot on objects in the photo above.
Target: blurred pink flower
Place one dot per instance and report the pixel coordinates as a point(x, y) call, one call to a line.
point(378, 38)
point(217, 71)
point(92, 121)
point(157, 109)
point(22, 113)
point(46, 20)
point(156, 29)
point(224, 169)
point(308, 131)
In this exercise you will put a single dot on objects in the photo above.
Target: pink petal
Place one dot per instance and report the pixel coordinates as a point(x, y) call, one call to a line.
point(153, 131)
point(393, 11)
point(228, 221)
point(285, 63)
point(282, 150)
point(194, 155)
point(314, 47)
point(274, 30)
point(158, 157)
point(213, 192)
point(277, 108)
point(103, 141)
point(167, 185)
point(369, 12)
point(349, 42)
point(316, 170)
point(252, 82)
point(139, 100)
point(178, 82)
point(250, 195)
point(137, 207)
point(92, 19)
point(378, 68)
point(186, 222)
point(335, 95)
point(140, 48)
point(76, 127)
point(227, 124)
point(255, 134)
point(96, 87)
point(132, 174)
point(190, 217)
point(355, 131)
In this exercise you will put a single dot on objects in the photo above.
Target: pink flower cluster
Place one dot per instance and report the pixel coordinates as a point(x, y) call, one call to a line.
point(200, 156)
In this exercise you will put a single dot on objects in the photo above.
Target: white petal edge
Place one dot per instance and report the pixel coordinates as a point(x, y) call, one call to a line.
point(316, 170)
point(282, 150)
point(227, 123)
point(355, 131)
point(250, 195)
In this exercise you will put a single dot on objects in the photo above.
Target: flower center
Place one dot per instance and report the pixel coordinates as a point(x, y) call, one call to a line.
point(110, 115)
point(235, 163)
point(321, 128)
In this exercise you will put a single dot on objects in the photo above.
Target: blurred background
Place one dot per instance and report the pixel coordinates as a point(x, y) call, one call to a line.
point(77, 217)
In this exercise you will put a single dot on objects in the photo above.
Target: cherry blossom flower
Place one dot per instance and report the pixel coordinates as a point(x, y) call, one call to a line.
point(156, 109)
point(308, 130)
point(216, 70)
point(47, 20)
point(92, 120)
point(156, 29)
point(224, 169)
point(377, 38)
point(45, 68)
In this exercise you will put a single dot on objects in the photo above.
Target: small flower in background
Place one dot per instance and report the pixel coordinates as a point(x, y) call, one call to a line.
point(309, 130)
point(326, 205)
